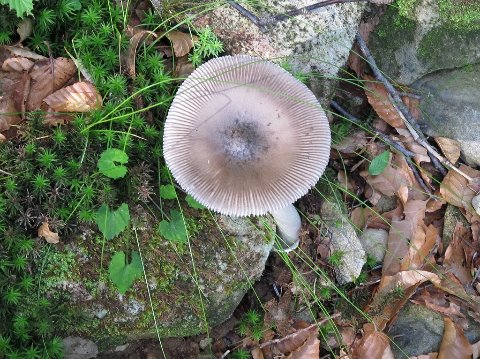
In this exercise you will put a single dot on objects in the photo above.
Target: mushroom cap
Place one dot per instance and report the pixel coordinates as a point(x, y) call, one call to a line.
point(244, 137)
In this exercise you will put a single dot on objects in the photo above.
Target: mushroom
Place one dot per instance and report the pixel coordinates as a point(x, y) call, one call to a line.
point(244, 137)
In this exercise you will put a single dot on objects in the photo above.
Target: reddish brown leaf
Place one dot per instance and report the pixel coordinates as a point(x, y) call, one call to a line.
point(310, 349)
point(79, 97)
point(454, 343)
point(421, 245)
point(421, 153)
point(47, 79)
point(455, 261)
point(378, 97)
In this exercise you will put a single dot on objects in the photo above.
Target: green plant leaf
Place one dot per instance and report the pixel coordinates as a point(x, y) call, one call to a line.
point(379, 163)
point(192, 202)
point(168, 191)
point(22, 7)
point(112, 223)
point(122, 273)
point(173, 230)
point(107, 164)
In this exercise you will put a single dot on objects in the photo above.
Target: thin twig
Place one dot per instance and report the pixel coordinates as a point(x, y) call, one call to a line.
point(418, 177)
point(262, 23)
point(402, 110)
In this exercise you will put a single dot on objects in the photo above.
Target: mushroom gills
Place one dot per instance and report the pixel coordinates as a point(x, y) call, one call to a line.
point(288, 224)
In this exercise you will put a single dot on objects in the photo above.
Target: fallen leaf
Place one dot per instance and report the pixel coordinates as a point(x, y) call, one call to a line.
point(377, 96)
point(45, 232)
point(449, 147)
point(22, 52)
point(183, 67)
point(454, 343)
point(373, 345)
point(79, 97)
point(310, 349)
point(421, 245)
point(399, 237)
point(456, 189)
point(9, 114)
point(17, 64)
point(182, 43)
point(132, 49)
point(476, 350)
point(421, 153)
point(454, 260)
point(47, 79)
point(53, 118)
point(24, 29)
point(352, 144)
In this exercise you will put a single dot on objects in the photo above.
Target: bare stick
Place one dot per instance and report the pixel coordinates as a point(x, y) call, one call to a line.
point(249, 15)
point(402, 110)
point(418, 177)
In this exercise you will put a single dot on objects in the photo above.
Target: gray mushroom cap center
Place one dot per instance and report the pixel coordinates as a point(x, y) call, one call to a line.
point(243, 140)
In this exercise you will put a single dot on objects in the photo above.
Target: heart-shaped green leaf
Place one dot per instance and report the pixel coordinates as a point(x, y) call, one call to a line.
point(123, 274)
point(168, 192)
point(107, 164)
point(112, 223)
point(379, 163)
point(173, 230)
point(192, 202)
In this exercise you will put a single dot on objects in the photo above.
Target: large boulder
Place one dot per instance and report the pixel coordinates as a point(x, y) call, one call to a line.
point(319, 41)
point(191, 287)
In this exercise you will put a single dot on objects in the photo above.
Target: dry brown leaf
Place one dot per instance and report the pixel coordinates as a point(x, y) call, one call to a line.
point(422, 244)
point(426, 356)
point(310, 349)
point(17, 64)
point(399, 237)
point(373, 345)
point(378, 97)
point(476, 350)
point(183, 67)
point(53, 118)
point(132, 49)
point(48, 78)
point(45, 232)
point(421, 153)
point(352, 144)
point(456, 189)
point(24, 29)
point(454, 260)
point(9, 114)
point(454, 343)
point(294, 341)
point(182, 43)
point(257, 353)
point(22, 52)
point(79, 97)
point(449, 147)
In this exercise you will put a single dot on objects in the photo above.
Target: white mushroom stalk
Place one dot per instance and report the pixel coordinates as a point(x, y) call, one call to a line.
point(244, 137)
point(288, 224)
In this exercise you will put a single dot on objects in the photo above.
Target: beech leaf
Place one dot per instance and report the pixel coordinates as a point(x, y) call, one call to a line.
point(79, 97)
point(454, 343)
point(182, 43)
point(45, 232)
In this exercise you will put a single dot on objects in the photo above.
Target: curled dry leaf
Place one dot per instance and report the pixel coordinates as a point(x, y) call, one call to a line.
point(9, 114)
point(22, 52)
point(183, 67)
point(182, 43)
point(454, 343)
point(310, 349)
point(17, 64)
point(449, 147)
point(45, 232)
point(132, 49)
point(79, 97)
point(378, 97)
point(48, 78)
point(455, 261)
point(421, 153)
point(373, 345)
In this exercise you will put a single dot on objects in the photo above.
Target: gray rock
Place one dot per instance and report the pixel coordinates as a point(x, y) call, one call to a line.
point(319, 41)
point(451, 107)
point(343, 238)
point(79, 348)
point(374, 242)
point(417, 330)
point(410, 42)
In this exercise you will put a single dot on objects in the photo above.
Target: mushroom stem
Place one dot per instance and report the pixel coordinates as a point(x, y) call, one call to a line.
point(288, 224)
